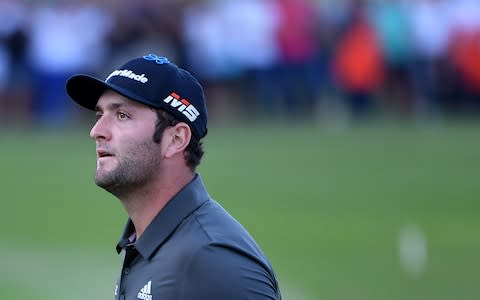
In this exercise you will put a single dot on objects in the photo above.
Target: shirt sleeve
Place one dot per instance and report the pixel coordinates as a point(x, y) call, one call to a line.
point(218, 272)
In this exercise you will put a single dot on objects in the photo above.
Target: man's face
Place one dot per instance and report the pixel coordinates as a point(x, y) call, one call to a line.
point(127, 157)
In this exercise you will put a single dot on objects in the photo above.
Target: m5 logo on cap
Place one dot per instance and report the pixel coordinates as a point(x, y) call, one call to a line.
point(183, 106)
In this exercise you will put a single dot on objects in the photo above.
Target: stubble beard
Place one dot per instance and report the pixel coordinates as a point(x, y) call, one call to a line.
point(134, 170)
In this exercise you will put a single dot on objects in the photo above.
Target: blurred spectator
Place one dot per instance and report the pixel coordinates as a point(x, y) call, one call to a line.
point(65, 38)
point(358, 63)
point(209, 48)
point(299, 54)
point(465, 56)
point(392, 22)
point(431, 31)
point(13, 100)
point(224, 41)
point(253, 29)
point(145, 24)
point(208, 52)
point(334, 15)
point(4, 72)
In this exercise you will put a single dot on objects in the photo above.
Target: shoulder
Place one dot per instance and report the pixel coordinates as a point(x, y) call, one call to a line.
point(218, 271)
point(221, 229)
point(216, 222)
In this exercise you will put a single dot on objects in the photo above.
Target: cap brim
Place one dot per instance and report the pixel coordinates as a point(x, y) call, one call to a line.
point(85, 90)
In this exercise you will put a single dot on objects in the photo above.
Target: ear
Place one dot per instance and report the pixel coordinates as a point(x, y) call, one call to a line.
point(176, 139)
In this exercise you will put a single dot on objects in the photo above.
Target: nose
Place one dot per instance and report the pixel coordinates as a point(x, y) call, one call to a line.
point(100, 130)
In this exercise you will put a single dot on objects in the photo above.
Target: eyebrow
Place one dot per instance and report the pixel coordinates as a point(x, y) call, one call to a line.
point(111, 106)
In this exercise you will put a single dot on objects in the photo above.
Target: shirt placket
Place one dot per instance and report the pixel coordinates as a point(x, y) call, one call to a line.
point(130, 255)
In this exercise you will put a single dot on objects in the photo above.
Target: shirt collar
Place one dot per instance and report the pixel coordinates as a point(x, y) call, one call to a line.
point(177, 209)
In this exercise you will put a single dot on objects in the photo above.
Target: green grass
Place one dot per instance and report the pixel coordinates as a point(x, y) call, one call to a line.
point(15, 290)
point(327, 206)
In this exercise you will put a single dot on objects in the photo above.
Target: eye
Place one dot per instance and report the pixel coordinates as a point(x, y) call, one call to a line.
point(98, 115)
point(122, 116)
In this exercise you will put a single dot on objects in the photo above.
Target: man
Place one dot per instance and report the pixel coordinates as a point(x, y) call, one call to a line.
point(178, 243)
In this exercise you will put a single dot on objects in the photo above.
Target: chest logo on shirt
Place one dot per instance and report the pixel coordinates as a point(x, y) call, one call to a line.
point(146, 292)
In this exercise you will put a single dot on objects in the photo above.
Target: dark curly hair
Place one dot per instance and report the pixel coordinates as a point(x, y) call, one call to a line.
point(194, 151)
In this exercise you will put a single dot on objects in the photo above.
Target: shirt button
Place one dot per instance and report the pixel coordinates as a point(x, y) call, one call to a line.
point(122, 297)
point(126, 271)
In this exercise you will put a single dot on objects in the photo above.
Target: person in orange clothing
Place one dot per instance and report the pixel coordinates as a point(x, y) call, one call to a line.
point(358, 64)
point(465, 58)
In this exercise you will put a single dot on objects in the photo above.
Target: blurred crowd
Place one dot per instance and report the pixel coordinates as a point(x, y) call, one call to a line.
point(256, 58)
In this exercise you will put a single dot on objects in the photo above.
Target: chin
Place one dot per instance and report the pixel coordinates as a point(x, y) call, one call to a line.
point(103, 180)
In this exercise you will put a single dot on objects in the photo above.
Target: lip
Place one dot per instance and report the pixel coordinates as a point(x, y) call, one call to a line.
point(103, 153)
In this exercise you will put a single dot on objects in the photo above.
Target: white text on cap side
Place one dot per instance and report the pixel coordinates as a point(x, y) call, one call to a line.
point(128, 74)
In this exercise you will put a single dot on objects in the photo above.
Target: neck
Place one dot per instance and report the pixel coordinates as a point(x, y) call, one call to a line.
point(143, 204)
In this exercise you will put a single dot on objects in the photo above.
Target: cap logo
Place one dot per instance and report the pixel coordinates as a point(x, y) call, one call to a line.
point(157, 59)
point(184, 106)
point(128, 74)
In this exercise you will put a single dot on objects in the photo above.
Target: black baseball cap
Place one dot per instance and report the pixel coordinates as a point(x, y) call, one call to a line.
point(151, 80)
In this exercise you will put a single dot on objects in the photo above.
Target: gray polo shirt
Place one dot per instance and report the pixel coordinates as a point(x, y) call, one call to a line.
point(193, 250)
